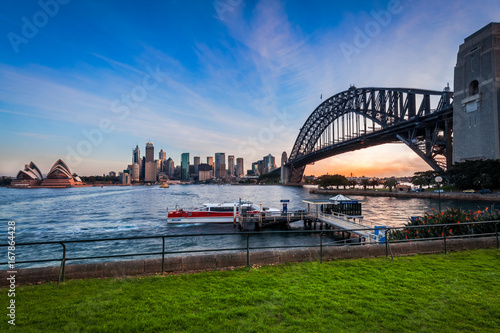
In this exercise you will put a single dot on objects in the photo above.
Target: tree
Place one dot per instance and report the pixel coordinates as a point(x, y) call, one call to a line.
point(374, 182)
point(332, 180)
point(483, 181)
point(464, 174)
point(365, 182)
point(424, 178)
point(390, 183)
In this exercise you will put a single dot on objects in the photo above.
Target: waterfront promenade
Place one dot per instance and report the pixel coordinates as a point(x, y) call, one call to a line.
point(423, 195)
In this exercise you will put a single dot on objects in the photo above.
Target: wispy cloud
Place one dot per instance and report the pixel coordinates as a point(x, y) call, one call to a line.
point(223, 86)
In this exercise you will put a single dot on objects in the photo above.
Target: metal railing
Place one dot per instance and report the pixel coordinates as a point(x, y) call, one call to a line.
point(247, 248)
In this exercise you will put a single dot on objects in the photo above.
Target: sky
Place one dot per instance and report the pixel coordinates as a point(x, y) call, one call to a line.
point(87, 81)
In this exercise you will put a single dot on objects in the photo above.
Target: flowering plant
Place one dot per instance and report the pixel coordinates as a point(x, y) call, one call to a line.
point(449, 216)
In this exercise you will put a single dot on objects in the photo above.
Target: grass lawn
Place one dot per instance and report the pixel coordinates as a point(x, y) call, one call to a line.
point(458, 292)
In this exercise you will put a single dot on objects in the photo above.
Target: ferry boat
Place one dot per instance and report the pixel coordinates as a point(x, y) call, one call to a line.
point(216, 213)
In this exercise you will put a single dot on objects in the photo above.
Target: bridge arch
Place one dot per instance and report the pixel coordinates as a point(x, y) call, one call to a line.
point(363, 117)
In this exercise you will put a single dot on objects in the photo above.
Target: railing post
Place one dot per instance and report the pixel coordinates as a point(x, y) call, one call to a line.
point(496, 232)
point(321, 247)
point(163, 256)
point(444, 238)
point(386, 244)
point(248, 252)
point(63, 265)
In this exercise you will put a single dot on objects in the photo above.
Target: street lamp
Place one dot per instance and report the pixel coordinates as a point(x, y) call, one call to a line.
point(438, 180)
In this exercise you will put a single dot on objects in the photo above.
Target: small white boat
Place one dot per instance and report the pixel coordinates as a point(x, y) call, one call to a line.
point(216, 213)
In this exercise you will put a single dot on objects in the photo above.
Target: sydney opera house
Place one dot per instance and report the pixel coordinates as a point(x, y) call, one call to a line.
point(59, 176)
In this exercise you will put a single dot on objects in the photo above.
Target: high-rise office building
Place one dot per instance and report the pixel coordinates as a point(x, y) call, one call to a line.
point(150, 172)
point(162, 155)
point(204, 172)
point(134, 172)
point(220, 165)
point(269, 163)
point(255, 168)
point(136, 155)
point(239, 167)
point(230, 166)
point(170, 168)
point(210, 161)
point(185, 166)
point(196, 163)
point(142, 167)
point(150, 152)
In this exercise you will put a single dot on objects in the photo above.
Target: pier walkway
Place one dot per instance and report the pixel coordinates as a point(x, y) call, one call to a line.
point(345, 222)
point(364, 229)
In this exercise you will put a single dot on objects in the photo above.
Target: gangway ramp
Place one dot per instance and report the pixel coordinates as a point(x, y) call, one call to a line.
point(322, 211)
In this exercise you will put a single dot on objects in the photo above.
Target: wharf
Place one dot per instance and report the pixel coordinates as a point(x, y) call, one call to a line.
point(352, 225)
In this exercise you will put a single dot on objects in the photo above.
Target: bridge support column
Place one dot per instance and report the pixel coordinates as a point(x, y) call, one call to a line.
point(285, 174)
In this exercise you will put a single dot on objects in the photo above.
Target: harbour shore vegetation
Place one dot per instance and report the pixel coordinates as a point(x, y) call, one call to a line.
point(456, 217)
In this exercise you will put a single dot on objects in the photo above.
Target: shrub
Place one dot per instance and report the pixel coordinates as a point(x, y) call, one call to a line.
point(450, 216)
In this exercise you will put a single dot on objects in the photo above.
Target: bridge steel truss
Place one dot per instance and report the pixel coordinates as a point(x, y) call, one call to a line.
point(363, 117)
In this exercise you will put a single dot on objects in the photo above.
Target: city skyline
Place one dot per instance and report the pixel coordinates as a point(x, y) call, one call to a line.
point(146, 169)
point(84, 82)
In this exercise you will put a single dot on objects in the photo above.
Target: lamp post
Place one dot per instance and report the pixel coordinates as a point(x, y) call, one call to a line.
point(438, 180)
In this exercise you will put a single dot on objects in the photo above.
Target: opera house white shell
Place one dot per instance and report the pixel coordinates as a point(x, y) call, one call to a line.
point(58, 176)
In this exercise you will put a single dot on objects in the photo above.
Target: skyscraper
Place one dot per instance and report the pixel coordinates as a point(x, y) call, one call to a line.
point(185, 166)
point(170, 168)
point(210, 161)
point(220, 165)
point(150, 152)
point(162, 155)
point(239, 167)
point(269, 163)
point(230, 166)
point(150, 169)
point(196, 163)
point(136, 155)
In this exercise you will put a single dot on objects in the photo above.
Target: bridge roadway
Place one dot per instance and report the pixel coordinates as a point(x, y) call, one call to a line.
point(352, 224)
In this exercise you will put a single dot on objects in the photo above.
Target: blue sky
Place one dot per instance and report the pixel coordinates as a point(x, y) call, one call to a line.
point(86, 81)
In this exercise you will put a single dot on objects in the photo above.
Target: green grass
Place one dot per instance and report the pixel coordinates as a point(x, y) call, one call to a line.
point(458, 292)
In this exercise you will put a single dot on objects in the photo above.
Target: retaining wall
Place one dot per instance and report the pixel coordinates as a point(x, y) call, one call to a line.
point(219, 261)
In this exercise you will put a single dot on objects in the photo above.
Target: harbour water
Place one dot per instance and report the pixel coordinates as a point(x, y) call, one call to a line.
point(42, 215)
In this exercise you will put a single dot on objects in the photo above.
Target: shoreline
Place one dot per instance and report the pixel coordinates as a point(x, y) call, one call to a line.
point(418, 195)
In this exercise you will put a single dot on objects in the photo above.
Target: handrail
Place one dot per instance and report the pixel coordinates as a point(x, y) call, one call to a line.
point(248, 247)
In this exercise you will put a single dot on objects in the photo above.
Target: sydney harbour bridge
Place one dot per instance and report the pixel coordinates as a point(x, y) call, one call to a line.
point(365, 117)
point(441, 127)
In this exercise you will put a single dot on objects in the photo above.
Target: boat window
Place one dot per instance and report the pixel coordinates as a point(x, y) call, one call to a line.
point(221, 209)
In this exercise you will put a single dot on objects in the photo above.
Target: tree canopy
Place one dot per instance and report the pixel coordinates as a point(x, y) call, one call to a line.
point(475, 174)
point(332, 180)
